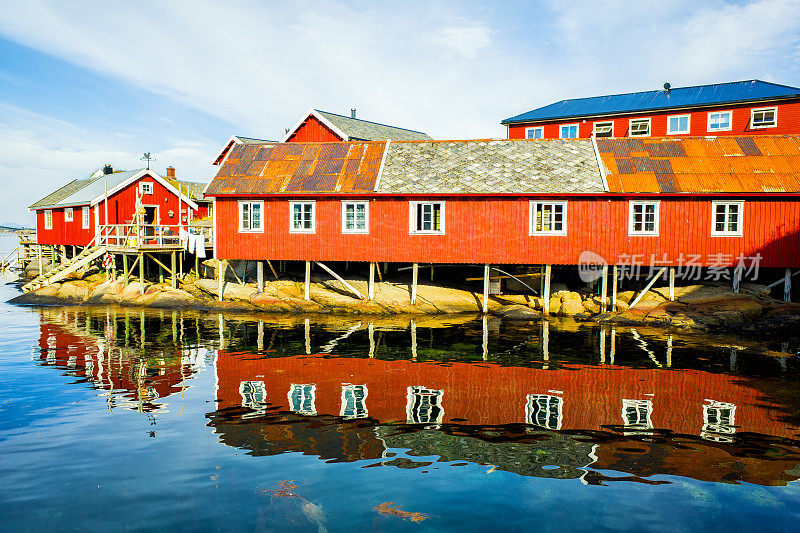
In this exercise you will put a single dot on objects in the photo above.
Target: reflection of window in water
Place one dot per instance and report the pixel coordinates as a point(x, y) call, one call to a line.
point(254, 395)
point(544, 410)
point(636, 414)
point(718, 421)
point(424, 406)
point(51, 350)
point(301, 399)
point(354, 403)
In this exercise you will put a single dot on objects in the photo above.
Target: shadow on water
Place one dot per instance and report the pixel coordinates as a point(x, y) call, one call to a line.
point(555, 400)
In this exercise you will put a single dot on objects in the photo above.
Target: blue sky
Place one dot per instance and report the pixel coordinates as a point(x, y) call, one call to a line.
point(88, 83)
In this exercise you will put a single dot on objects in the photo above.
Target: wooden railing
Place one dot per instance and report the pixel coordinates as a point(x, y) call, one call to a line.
point(148, 235)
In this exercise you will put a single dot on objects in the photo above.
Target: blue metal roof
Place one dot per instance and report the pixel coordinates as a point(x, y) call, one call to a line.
point(681, 97)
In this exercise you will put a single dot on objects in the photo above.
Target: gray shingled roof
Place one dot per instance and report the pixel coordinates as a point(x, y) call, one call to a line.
point(91, 188)
point(491, 166)
point(251, 140)
point(57, 196)
point(364, 130)
point(195, 189)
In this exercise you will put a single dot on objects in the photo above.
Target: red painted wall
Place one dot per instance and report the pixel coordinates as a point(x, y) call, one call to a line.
point(312, 130)
point(495, 230)
point(121, 206)
point(788, 122)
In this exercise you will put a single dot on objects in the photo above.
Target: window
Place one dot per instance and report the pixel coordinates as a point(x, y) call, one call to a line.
point(636, 415)
point(424, 406)
point(48, 219)
point(302, 398)
point(764, 118)
point(643, 218)
point(254, 396)
point(146, 187)
point(354, 399)
point(251, 216)
point(719, 121)
point(718, 421)
point(534, 133)
point(677, 124)
point(355, 217)
point(85, 217)
point(426, 217)
point(544, 410)
point(603, 129)
point(548, 218)
point(727, 218)
point(302, 217)
point(68, 214)
point(210, 210)
point(569, 131)
point(640, 127)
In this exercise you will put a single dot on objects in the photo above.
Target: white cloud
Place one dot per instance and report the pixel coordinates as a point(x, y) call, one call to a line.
point(464, 40)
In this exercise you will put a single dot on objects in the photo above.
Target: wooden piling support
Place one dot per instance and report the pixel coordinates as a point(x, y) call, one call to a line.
point(269, 264)
point(371, 286)
point(125, 271)
point(220, 279)
point(485, 344)
point(414, 274)
point(546, 290)
point(307, 328)
point(371, 335)
point(307, 292)
point(614, 284)
point(787, 285)
point(197, 267)
point(737, 279)
point(141, 273)
point(604, 293)
point(39, 256)
point(413, 339)
point(485, 289)
point(671, 284)
point(341, 280)
point(260, 275)
point(174, 279)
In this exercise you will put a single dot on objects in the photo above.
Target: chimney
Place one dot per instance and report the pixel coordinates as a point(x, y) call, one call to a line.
point(108, 169)
point(171, 172)
point(352, 112)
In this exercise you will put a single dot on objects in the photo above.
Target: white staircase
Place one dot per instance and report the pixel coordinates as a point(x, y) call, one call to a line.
point(61, 271)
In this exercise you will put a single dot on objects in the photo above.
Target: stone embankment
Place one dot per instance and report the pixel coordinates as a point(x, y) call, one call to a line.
point(696, 307)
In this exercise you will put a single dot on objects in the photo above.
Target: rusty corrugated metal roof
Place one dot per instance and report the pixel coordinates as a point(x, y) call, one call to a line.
point(754, 164)
point(299, 167)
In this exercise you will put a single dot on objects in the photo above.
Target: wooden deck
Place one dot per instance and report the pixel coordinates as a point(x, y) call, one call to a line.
point(132, 238)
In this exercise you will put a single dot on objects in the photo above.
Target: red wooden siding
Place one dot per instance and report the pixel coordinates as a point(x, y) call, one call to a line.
point(313, 130)
point(495, 230)
point(62, 232)
point(788, 122)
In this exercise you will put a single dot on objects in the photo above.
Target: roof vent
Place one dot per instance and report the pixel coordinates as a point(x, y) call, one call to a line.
point(667, 87)
point(108, 169)
point(352, 112)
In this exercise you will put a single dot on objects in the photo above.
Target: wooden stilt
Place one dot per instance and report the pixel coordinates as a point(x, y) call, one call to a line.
point(545, 341)
point(269, 264)
point(546, 290)
point(614, 284)
point(737, 279)
point(413, 339)
point(431, 272)
point(39, 256)
point(371, 332)
point(613, 349)
point(671, 284)
point(787, 285)
point(647, 287)
point(485, 289)
point(378, 268)
point(141, 273)
point(669, 351)
point(220, 279)
point(485, 344)
point(260, 339)
point(180, 264)
point(174, 280)
point(414, 274)
point(260, 275)
point(349, 287)
point(197, 267)
point(307, 328)
point(125, 272)
point(371, 287)
point(307, 293)
point(602, 345)
point(604, 295)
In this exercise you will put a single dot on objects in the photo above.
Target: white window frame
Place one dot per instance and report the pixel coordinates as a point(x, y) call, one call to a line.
point(719, 421)
point(86, 219)
point(412, 218)
point(313, 228)
point(561, 130)
point(68, 214)
point(641, 421)
point(603, 123)
point(726, 233)
point(352, 406)
point(48, 219)
point(759, 109)
point(146, 187)
point(254, 396)
point(631, 222)
point(306, 395)
point(534, 128)
point(345, 203)
point(534, 206)
point(250, 229)
point(210, 211)
point(679, 132)
point(545, 404)
point(424, 405)
point(730, 121)
point(649, 127)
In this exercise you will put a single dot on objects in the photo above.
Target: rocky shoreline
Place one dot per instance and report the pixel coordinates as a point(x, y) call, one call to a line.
point(706, 308)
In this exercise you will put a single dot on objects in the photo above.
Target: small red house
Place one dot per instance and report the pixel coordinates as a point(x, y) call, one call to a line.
point(73, 214)
point(701, 202)
point(752, 107)
point(324, 126)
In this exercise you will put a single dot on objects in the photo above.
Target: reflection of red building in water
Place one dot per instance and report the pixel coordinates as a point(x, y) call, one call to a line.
point(136, 382)
point(635, 402)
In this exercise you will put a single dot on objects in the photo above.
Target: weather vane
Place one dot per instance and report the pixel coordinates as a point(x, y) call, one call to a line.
point(146, 156)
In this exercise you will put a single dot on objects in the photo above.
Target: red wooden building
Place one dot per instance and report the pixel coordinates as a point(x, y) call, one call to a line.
point(750, 107)
point(73, 214)
point(703, 202)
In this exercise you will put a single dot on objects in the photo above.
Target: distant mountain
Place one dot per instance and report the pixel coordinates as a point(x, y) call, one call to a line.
point(12, 226)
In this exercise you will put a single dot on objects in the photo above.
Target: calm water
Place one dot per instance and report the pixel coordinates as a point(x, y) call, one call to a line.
point(123, 419)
